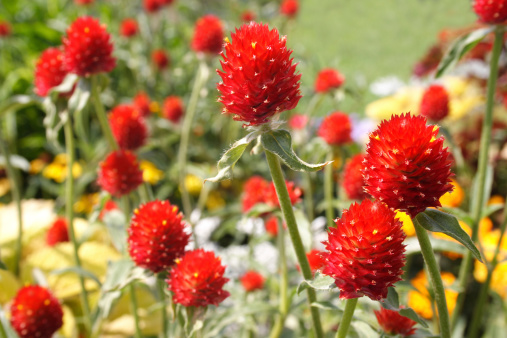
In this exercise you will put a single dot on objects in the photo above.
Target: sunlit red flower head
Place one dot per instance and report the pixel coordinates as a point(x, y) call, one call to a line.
point(119, 173)
point(208, 35)
point(315, 260)
point(84, 2)
point(142, 103)
point(353, 178)
point(49, 71)
point(491, 11)
point(435, 103)
point(252, 280)
point(35, 312)
point(392, 322)
point(248, 16)
point(129, 27)
point(289, 8)
point(271, 198)
point(406, 166)
point(298, 121)
point(197, 279)
point(160, 59)
point(328, 79)
point(87, 48)
point(5, 29)
point(152, 6)
point(128, 127)
point(173, 108)
point(157, 235)
point(336, 129)
point(253, 192)
point(58, 232)
point(259, 76)
point(365, 252)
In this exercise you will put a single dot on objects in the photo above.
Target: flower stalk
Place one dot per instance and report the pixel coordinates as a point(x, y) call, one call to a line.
point(101, 113)
point(284, 285)
point(328, 191)
point(350, 307)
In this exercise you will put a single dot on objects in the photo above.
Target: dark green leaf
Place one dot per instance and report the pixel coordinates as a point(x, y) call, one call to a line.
point(79, 271)
point(460, 214)
point(3, 266)
point(319, 282)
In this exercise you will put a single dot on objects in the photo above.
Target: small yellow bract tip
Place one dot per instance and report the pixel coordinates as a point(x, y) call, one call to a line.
point(226, 39)
point(253, 44)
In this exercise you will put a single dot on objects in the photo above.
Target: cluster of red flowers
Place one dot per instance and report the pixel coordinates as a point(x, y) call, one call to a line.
point(258, 190)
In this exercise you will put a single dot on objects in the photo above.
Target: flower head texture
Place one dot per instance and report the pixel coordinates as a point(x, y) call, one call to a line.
point(252, 280)
point(160, 59)
point(353, 181)
point(142, 103)
point(58, 232)
point(5, 28)
point(289, 8)
point(173, 108)
point(119, 173)
point(365, 252)
point(88, 49)
point(49, 71)
point(392, 322)
point(253, 192)
point(35, 312)
point(208, 35)
point(128, 127)
point(315, 260)
point(328, 79)
point(259, 76)
point(435, 103)
point(491, 11)
point(198, 279)
point(129, 27)
point(336, 129)
point(406, 166)
point(157, 235)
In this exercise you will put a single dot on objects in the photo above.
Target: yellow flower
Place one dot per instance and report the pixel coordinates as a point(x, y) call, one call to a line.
point(496, 199)
point(489, 242)
point(405, 100)
point(57, 170)
point(408, 225)
point(36, 166)
point(151, 174)
point(154, 107)
point(465, 95)
point(86, 203)
point(453, 199)
point(5, 186)
point(193, 184)
point(215, 201)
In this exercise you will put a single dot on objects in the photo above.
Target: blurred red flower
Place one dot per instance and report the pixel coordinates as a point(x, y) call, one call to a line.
point(128, 127)
point(353, 181)
point(49, 71)
point(58, 232)
point(119, 173)
point(289, 8)
point(328, 79)
point(393, 323)
point(435, 103)
point(173, 108)
point(129, 27)
point(336, 129)
point(252, 280)
point(160, 59)
point(208, 35)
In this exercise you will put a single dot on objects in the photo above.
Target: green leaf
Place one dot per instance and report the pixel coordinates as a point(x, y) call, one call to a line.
point(488, 185)
point(326, 306)
point(79, 271)
point(438, 221)
point(6, 324)
point(279, 142)
point(490, 209)
point(460, 214)
point(319, 282)
point(3, 266)
point(17, 102)
point(117, 273)
point(80, 96)
point(391, 302)
point(460, 47)
point(115, 224)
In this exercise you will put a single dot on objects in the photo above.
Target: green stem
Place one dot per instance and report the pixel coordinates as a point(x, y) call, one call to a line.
point(165, 320)
point(309, 196)
point(314, 104)
point(133, 300)
point(350, 307)
point(328, 191)
point(478, 201)
point(101, 113)
point(435, 278)
point(290, 220)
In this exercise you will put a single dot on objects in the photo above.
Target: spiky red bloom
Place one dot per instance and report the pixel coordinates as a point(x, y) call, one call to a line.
point(315, 259)
point(58, 232)
point(491, 11)
point(406, 165)
point(173, 108)
point(365, 251)
point(84, 2)
point(271, 198)
point(35, 312)
point(88, 49)
point(328, 79)
point(160, 59)
point(128, 127)
point(259, 77)
point(298, 121)
point(271, 225)
point(208, 35)
point(289, 8)
point(152, 5)
point(129, 27)
point(353, 178)
point(142, 103)
point(252, 280)
point(197, 279)
point(248, 16)
point(49, 71)
point(119, 173)
point(435, 103)
point(157, 235)
point(393, 323)
point(253, 192)
point(336, 129)
point(5, 29)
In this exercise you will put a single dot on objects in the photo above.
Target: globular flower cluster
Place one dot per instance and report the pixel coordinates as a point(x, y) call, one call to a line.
point(259, 77)
point(289, 8)
point(406, 166)
point(365, 251)
point(491, 11)
point(247, 16)
point(58, 232)
point(252, 280)
point(392, 322)
point(352, 181)
point(336, 129)
point(328, 79)
point(160, 59)
point(258, 190)
point(129, 27)
point(152, 6)
point(208, 35)
point(142, 103)
point(119, 173)
point(435, 103)
point(128, 127)
point(5, 28)
point(84, 2)
point(49, 71)
point(173, 108)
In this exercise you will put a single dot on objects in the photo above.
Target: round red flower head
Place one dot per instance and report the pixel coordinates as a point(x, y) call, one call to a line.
point(157, 235)
point(252, 280)
point(58, 232)
point(328, 79)
point(365, 252)
point(259, 77)
point(35, 312)
point(142, 103)
point(128, 127)
point(160, 59)
point(298, 121)
point(152, 6)
point(289, 8)
point(491, 11)
point(198, 279)
point(49, 71)
point(247, 16)
point(173, 108)
point(119, 173)
point(353, 178)
point(336, 129)
point(88, 49)
point(84, 2)
point(208, 35)
point(271, 225)
point(435, 103)
point(5, 29)
point(393, 323)
point(129, 27)
point(406, 165)
point(253, 192)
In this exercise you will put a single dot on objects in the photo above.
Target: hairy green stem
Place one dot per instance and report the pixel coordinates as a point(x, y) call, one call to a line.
point(165, 320)
point(101, 113)
point(348, 313)
point(328, 191)
point(133, 301)
point(309, 196)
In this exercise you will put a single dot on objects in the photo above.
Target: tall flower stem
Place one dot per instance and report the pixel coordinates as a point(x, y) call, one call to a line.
point(435, 278)
point(284, 285)
point(101, 113)
point(466, 265)
point(350, 307)
point(328, 191)
point(308, 198)
point(290, 220)
point(69, 211)
point(165, 320)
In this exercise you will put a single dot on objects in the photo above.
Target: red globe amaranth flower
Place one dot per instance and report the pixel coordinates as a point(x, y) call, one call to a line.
point(197, 279)
point(353, 178)
point(315, 260)
point(491, 11)
point(392, 322)
point(88, 49)
point(84, 2)
point(160, 59)
point(271, 198)
point(328, 79)
point(119, 173)
point(252, 280)
point(259, 77)
point(35, 312)
point(298, 121)
point(435, 103)
point(271, 225)
point(336, 129)
point(58, 232)
point(208, 35)
point(365, 252)
point(129, 27)
point(253, 192)
point(173, 108)
point(289, 8)
point(248, 16)
point(142, 103)
point(49, 71)
point(5, 29)
point(128, 127)
point(152, 6)
point(406, 166)
point(157, 235)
